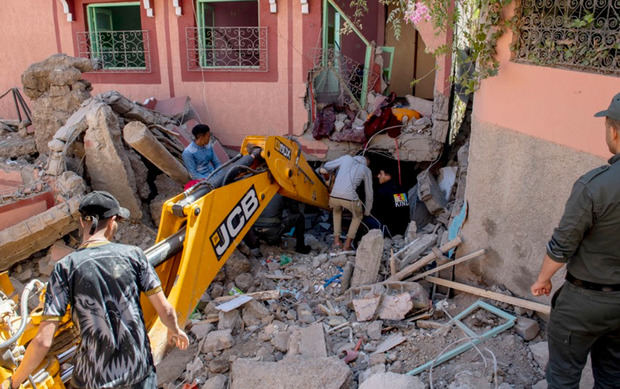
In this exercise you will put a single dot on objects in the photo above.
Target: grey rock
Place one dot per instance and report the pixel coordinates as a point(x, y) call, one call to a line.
point(392, 381)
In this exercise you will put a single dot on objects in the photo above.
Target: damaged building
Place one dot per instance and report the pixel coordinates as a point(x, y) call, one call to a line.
point(107, 96)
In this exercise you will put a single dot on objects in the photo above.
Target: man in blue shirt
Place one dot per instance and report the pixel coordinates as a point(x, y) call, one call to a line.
point(199, 157)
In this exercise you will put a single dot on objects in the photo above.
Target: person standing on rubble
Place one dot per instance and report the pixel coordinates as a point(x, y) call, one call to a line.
point(585, 313)
point(102, 282)
point(198, 157)
point(351, 172)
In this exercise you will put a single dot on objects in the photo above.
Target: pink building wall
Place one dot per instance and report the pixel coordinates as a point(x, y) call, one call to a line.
point(552, 104)
point(234, 104)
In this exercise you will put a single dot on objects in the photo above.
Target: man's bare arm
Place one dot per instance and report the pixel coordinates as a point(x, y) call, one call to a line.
point(168, 317)
point(36, 351)
point(543, 282)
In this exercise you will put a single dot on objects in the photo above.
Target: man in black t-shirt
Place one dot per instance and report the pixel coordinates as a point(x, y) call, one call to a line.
point(102, 282)
point(391, 204)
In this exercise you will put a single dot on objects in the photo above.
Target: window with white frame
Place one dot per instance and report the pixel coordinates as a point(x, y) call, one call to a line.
point(227, 37)
point(115, 40)
point(576, 34)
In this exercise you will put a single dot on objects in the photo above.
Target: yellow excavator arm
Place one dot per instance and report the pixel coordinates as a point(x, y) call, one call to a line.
point(200, 228)
point(198, 231)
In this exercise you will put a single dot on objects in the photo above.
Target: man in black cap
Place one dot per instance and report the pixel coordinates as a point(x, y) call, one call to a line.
point(585, 314)
point(102, 282)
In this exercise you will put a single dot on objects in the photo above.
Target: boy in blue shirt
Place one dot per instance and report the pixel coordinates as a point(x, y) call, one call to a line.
point(199, 157)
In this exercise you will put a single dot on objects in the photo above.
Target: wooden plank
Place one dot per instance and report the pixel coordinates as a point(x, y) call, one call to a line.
point(260, 296)
point(534, 306)
point(409, 270)
point(467, 257)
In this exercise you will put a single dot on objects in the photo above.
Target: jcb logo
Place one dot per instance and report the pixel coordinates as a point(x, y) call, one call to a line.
point(283, 149)
point(232, 225)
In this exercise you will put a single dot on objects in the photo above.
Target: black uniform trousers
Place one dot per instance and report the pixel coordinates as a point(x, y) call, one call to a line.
point(583, 321)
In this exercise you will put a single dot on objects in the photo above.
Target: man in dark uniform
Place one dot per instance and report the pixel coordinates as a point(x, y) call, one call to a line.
point(585, 314)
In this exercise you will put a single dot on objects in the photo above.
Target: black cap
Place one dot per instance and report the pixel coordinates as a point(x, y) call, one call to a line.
point(613, 112)
point(102, 205)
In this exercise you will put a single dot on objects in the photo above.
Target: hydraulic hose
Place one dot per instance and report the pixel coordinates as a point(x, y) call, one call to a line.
point(23, 312)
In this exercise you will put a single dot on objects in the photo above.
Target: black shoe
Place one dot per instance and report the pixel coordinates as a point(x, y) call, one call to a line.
point(303, 249)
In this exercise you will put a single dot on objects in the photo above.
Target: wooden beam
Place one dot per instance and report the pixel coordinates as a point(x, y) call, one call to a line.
point(409, 270)
point(542, 308)
point(467, 257)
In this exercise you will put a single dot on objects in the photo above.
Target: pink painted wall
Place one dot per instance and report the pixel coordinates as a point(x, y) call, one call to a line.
point(548, 103)
point(233, 109)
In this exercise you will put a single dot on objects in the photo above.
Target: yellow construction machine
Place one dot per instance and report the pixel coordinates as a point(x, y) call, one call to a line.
point(198, 231)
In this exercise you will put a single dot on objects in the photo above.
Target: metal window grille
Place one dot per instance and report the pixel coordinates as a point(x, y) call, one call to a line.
point(575, 34)
point(227, 49)
point(339, 78)
point(116, 51)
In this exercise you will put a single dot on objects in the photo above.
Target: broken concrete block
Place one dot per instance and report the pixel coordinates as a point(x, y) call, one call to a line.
point(106, 160)
point(540, 352)
point(391, 380)
point(374, 330)
point(254, 312)
point(304, 313)
point(366, 308)
point(237, 264)
point(420, 245)
point(291, 372)
point(201, 329)
point(15, 146)
point(132, 111)
point(229, 320)
point(368, 258)
point(527, 328)
point(542, 384)
point(280, 341)
point(395, 307)
point(216, 341)
point(46, 265)
point(440, 130)
point(312, 341)
point(38, 232)
point(69, 184)
point(141, 173)
point(430, 193)
point(218, 365)
point(244, 281)
point(441, 106)
point(215, 382)
point(193, 369)
point(173, 364)
point(59, 250)
point(411, 232)
point(138, 136)
point(423, 106)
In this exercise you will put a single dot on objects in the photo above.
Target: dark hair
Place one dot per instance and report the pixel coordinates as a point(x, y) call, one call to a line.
point(200, 129)
point(387, 171)
point(614, 123)
point(97, 224)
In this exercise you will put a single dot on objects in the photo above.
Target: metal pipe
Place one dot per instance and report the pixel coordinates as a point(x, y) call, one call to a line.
point(65, 355)
point(66, 375)
point(23, 312)
point(166, 249)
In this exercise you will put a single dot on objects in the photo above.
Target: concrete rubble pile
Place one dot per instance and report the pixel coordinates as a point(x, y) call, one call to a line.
point(359, 319)
point(352, 319)
point(77, 143)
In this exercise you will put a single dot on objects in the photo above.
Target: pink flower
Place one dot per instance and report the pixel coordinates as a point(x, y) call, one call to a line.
point(416, 12)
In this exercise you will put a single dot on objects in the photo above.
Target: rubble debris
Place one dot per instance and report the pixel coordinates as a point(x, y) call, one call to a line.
point(38, 232)
point(416, 248)
point(166, 189)
point(216, 341)
point(455, 262)
point(527, 328)
point(366, 307)
point(430, 193)
point(368, 258)
point(291, 372)
point(216, 382)
point(538, 307)
point(410, 269)
point(108, 166)
point(308, 342)
point(14, 146)
point(173, 364)
point(391, 380)
point(56, 89)
point(259, 296)
point(138, 136)
point(389, 343)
